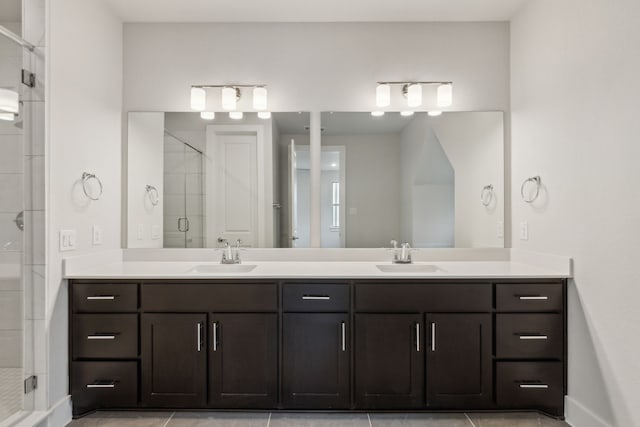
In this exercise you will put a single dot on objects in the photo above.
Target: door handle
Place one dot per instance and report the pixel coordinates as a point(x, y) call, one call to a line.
point(316, 297)
point(417, 336)
point(433, 336)
point(199, 336)
point(215, 336)
point(111, 384)
point(344, 336)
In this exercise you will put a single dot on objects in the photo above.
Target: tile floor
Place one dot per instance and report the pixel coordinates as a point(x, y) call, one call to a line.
point(255, 419)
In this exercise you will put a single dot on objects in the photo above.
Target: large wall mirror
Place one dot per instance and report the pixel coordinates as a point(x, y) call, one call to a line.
point(193, 182)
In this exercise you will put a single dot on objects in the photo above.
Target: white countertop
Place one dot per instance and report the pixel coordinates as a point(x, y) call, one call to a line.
point(313, 269)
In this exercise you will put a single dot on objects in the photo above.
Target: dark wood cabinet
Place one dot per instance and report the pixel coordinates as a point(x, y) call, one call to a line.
point(243, 360)
point(459, 361)
point(174, 360)
point(315, 368)
point(389, 361)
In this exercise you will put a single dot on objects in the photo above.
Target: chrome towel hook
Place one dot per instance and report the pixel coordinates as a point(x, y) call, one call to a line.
point(486, 195)
point(86, 177)
point(154, 195)
point(533, 195)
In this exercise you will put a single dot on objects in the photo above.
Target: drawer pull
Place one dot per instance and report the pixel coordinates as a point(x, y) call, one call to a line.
point(540, 386)
point(102, 298)
point(199, 336)
point(417, 336)
point(344, 336)
point(433, 336)
point(534, 337)
point(215, 336)
point(533, 298)
point(111, 384)
point(101, 337)
point(316, 297)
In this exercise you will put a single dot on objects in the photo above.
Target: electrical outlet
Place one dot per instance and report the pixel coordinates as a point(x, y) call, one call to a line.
point(67, 240)
point(97, 235)
point(524, 230)
point(500, 230)
point(155, 232)
point(140, 231)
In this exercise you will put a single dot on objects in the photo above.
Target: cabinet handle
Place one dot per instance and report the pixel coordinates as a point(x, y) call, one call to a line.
point(529, 298)
point(417, 336)
point(316, 297)
point(112, 384)
point(102, 298)
point(101, 337)
point(344, 336)
point(215, 336)
point(534, 386)
point(199, 337)
point(534, 337)
point(433, 336)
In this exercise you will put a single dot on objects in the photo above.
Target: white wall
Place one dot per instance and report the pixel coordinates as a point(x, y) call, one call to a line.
point(145, 161)
point(575, 91)
point(304, 68)
point(84, 134)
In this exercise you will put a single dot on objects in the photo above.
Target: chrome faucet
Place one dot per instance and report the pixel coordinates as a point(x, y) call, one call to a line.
point(404, 255)
point(229, 254)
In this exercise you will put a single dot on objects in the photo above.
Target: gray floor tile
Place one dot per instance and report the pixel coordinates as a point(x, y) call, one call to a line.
point(318, 420)
point(219, 419)
point(419, 420)
point(123, 419)
point(519, 419)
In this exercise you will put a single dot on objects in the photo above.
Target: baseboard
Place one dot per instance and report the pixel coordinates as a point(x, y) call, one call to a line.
point(59, 415)
point(578, 415)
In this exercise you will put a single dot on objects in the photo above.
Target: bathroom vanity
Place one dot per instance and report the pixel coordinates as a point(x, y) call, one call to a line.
point(391, 341)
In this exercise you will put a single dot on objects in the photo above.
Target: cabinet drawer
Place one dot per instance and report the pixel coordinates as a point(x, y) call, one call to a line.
point(105, 297)
point(423, 297)
point(315, 298)
point(533, 297)
point(530, 385)
point(96, 385)
point(532, 336)
point(105, 336)
point(203, 297)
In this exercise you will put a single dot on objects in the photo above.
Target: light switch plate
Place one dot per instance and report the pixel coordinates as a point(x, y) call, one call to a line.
point(524, 230)
point(67, 240)
point(97, 235)
point(155, 232)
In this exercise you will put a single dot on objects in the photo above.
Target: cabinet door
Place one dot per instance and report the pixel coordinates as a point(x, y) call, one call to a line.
point(389, 361)
point(244, 360)
point(459, 361)
point(174, 361)
point(315, 371)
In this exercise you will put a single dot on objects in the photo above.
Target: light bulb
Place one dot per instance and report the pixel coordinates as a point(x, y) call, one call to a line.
point(235, 115)
point(259, 98)
point(264, 115)
point(434, 113)
point(198, 99)
point(229, 98)
point(445, 95)
point(377, 113)
point(7, 116)
point(406, 113)
point(414, 95)
point(383, 95)
point(9, 101)
point(208, 115)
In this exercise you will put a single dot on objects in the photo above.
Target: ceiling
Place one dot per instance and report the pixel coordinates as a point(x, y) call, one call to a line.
point(316, 11)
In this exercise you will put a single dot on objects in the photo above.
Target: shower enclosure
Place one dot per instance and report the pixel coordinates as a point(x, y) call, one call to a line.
point(21, 206)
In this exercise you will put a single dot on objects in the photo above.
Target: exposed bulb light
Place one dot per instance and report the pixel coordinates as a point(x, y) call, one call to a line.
point(334, 165)
point(207, 115)
point(264, 115)
point(406, 113)
point(445, 95)
point(229, 98)
point(434, 113)
point(414, 95)
point(259, 98)
point(377, 113)
point(383, 95)
point(7, 116)
point(9, 101)
point(198, 99)
point(235, 115)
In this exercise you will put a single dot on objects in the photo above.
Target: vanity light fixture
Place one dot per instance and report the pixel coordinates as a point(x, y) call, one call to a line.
point(434, 113)
point(260, 98)
point(198, 99)
point(383, 95)
point(207, 115)
point(230, 96)
point(235, 115)
point(406, 113)
point(9, 101)
point(377, 113)
point(264, 115)
point(7, 116)
point(414, 94)
point(445, 95)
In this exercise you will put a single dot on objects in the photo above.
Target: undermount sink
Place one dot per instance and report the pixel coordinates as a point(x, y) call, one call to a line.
point(407, 268)
point(222, 268)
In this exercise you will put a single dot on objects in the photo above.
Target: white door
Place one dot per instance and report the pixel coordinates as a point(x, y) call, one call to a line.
point(293, 195)
point(232, 177)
